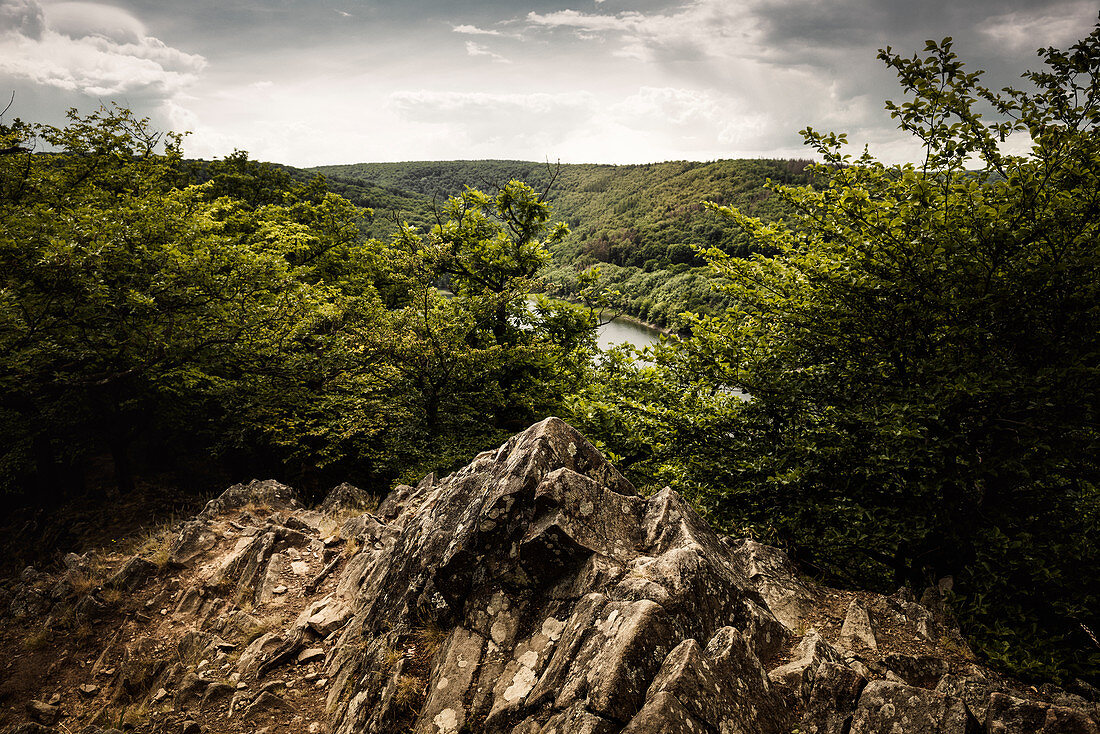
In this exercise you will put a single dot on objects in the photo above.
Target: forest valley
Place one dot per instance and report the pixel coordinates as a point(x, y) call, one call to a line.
point(891, 371)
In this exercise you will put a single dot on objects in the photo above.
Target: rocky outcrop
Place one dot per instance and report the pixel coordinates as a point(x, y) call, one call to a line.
point(532, 592)
point(571, 597)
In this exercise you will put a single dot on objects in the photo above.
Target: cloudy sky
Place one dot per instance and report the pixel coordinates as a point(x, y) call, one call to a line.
point(308, 82)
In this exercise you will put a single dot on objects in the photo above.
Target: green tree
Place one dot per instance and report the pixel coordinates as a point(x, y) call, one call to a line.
point(130, 305)
point(491, 247)
point(922, 356)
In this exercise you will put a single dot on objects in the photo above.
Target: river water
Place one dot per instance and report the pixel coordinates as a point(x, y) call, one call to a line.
point(626, 330)
point(614, 332)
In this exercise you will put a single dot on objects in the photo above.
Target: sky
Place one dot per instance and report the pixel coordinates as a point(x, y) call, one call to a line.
point(312, 82)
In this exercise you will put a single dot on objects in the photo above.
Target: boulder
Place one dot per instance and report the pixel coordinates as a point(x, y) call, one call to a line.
point(310, 655)
point(773, 575)
point(972, 689)
point(346, 498)
point(266, 705)
point(923, 671)
point(266, 493)
point(894, 707)
point(857, 631)
point(216, 692)
point(796, 678)
point(832, 701)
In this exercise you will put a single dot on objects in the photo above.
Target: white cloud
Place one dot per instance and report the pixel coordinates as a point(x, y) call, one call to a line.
point(694, 118)
point(92, 49)
point(425, 105)
point(700, 29)
point(667, 105)
point(628, 21)
point(473, 30)
point(477, 49)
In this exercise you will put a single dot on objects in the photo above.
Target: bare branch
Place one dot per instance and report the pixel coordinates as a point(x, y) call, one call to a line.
point(553, 171)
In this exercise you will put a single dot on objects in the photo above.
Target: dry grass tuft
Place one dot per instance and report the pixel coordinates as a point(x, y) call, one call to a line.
point(156, 545)
point(410, 693)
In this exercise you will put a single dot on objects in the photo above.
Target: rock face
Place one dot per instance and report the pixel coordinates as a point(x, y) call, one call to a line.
point(565, 602)
point(532, 592)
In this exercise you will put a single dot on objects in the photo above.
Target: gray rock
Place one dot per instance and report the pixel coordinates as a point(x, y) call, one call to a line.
point(191, 688)
point(402, 496)
point(895, 707)
point(257, 653)
point(923, 671)
point(214, 693)
point(796, 678)
point(365, 528)
point(311, 655)
point(293, 523)
point(267, 492)
point(723, 688)
point(194, 539)
point(1010, 715)
point(773, 575)
point(832, 701)
point(857, 631)
point(565, 589)
point(973, 690)
point(345, 498)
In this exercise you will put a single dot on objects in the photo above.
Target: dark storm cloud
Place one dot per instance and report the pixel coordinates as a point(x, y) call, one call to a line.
point(839, 27)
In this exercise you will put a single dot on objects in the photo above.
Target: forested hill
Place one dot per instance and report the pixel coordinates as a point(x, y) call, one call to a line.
point(642, 221)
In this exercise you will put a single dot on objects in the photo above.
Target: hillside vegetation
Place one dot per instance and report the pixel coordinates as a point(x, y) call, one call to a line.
point(642, 225)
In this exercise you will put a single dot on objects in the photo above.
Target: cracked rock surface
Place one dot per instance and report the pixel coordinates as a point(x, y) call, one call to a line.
point(532, 592)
